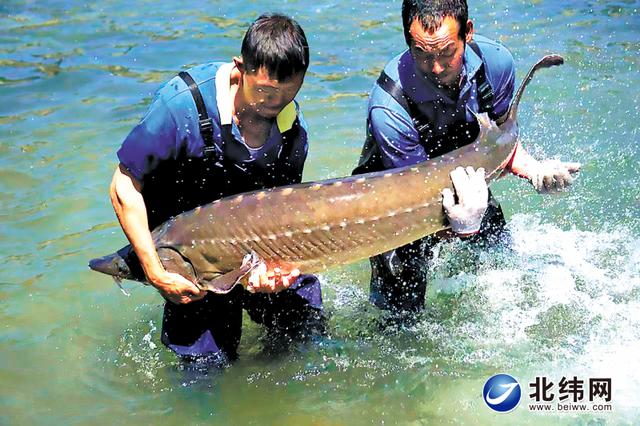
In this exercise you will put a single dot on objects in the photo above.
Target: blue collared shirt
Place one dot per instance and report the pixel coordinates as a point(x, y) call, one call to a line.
point(390, 124)
point(170, 127)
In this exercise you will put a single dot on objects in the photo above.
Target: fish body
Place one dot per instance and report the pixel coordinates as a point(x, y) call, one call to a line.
point(317, 225)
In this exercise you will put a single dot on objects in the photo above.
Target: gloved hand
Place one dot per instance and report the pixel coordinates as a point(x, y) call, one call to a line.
point(552, 175)
point(466, 216)
point(545, 176)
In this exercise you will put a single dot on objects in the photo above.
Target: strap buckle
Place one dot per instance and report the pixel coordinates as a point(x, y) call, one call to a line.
point(485, 91)
point(206, 125)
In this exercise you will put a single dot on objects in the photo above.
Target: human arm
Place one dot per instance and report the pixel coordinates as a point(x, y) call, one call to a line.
point(155, 139)
point(546, 176)
point(129, 206)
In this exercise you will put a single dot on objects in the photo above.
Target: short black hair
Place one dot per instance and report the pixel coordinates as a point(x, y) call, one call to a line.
point(277, 43)
point(431, 13)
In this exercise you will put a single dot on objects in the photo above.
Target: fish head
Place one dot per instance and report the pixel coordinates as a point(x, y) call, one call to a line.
point(122, 264)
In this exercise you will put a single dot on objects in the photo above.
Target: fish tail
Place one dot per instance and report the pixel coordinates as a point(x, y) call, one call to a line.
point(545, 62)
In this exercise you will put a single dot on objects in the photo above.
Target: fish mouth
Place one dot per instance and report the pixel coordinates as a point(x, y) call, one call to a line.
point(123, 264)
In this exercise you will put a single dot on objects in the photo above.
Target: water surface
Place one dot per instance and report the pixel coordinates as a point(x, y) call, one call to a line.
point(563, 301)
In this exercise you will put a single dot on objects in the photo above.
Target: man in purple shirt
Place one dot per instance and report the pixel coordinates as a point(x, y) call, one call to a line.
point(423, 106)
point(216, 130)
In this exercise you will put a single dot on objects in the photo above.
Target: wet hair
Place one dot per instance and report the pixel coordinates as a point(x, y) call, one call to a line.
point(431, 13)
point(277, 43)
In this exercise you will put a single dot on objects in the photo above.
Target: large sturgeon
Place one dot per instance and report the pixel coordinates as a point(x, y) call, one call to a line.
point(316, 225)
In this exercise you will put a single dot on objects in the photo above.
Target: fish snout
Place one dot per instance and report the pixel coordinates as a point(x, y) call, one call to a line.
point(106, 264)
point(121, 264)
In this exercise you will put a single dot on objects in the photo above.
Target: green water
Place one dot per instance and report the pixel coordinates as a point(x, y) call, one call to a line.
point(74, 79)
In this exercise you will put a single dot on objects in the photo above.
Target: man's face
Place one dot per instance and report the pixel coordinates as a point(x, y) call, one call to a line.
point(438, 55)
point(268, 96)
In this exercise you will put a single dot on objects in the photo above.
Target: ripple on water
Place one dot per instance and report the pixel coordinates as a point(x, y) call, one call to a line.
point(546, 298)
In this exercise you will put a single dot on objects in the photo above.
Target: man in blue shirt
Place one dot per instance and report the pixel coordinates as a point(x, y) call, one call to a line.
point(216, 130)
point(423, 106)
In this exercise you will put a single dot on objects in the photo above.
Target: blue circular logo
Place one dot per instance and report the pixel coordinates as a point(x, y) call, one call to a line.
point(502, 393)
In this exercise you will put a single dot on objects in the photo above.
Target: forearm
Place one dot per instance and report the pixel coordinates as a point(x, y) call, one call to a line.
point(545, 176)
point(522, 164)
point(131, 211)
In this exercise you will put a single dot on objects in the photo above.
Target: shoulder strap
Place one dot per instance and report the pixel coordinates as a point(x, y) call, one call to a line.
point(205, 123)
point(485, 92)
point(394, 90)
point(390, 86)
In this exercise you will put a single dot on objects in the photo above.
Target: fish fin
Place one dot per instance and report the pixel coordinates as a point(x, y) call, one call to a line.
point(224, 283)
point(483, 120)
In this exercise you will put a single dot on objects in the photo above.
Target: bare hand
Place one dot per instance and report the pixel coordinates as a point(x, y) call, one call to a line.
point(177, 289)
point(264, 280)
point(466, 216)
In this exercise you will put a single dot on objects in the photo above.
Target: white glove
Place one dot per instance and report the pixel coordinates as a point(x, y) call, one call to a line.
point(473, 194)
point(552, 175)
